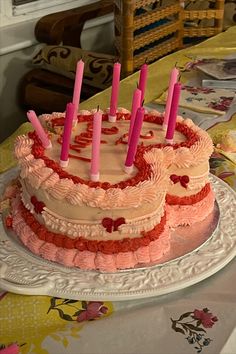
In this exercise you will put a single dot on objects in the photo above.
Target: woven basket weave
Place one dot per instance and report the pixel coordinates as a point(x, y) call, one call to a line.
point(146, 31)
point(208, 22)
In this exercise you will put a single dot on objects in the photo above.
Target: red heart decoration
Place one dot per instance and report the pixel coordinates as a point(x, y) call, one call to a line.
point(38, 206)
point(174, 178)
point(184, 181)
point(107, 223)
point(112, 225)
point(118, 222)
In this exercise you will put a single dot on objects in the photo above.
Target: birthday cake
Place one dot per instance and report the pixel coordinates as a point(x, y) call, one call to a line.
point(123, 220)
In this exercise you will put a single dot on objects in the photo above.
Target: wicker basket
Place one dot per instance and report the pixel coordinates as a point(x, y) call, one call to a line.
point(146, 30)
point(202, 18)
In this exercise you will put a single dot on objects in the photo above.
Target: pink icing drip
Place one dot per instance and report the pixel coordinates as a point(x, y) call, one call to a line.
point(24, 230)
point(125, 260)
point(189, 214)
point(66, 256)
point(157, 248)
point(33, 243)
point(48, 251)
point(105, 262)
point(85, 260)
point(142, 254)
point(17, 220)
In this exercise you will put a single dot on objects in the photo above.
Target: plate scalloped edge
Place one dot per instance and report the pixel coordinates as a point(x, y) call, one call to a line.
point(24, 273)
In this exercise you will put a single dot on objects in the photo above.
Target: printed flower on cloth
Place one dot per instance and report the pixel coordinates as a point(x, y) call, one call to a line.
point(194, 325)
point(28, 321)
point(203, 99)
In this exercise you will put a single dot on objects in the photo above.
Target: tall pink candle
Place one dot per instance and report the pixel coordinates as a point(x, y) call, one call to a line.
point(173, 113)
point(114, 92)
point(136, 103)
point(95, 162)
point(143, 80)
point(77, 86)
point(39, 129)
point(134, 140)
point(11, 349)
point(64, 158)
point(173, 79)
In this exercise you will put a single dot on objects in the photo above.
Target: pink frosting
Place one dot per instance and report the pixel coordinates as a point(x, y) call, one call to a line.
point(86, 259)
point(189, 214)
point(125, 260)
point(65, 256)
point(48, 251)
point(105, 262)
point(33, 243)
point(33, 170)
point(157, 246)
point(143, 254)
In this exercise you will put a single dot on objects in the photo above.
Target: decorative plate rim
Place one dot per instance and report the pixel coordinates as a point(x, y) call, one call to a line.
point(24, 273)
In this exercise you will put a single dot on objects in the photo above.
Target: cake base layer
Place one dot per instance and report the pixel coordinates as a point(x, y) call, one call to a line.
point(188, 211)
point(86, 259)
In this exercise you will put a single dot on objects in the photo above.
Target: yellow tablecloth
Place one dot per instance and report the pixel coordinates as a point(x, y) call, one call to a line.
point(43, 324)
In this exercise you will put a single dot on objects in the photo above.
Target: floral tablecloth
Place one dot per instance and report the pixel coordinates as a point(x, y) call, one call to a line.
point(198, 319)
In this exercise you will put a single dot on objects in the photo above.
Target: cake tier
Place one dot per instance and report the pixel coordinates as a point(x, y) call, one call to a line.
point(190, 209)
point(120, 221)
point(101, 255)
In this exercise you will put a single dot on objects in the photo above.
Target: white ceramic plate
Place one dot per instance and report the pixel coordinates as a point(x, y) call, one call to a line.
point(23, 273)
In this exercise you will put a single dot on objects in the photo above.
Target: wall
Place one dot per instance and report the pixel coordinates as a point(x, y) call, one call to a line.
point(17, 46)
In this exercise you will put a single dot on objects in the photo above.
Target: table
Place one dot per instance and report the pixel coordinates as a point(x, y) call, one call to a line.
point(201, 318)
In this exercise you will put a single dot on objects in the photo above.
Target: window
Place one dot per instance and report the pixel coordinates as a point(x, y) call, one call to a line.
point(20, 2)
point(16, 11)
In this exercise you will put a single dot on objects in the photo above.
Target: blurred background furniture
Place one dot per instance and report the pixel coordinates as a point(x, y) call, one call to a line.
point(202, 19)
point(144, 31)
point(49, 85)
point(229, 13)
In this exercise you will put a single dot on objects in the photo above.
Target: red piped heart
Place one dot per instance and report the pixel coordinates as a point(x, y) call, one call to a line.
point(184, 180)
point(107, 223)
point(38, 206)
point(174, 178)
point(117, 223)
point(112, 225)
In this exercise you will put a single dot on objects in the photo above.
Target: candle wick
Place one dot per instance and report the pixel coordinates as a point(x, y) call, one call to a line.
point(98, 108)
point(176, 64)
point(142, 103)
point(179, 78)
point(146, 61)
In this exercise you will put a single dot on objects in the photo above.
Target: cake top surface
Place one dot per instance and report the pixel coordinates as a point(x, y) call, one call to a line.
point(41, 166)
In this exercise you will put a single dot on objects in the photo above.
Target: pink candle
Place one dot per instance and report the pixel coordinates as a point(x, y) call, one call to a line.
point(173, 113)
point(97, 127)
point(143, 80)
point(134, 140)
point(136, 103)
point(39, 129)
point(12, 349)
point(64, 158)
point(173, 79)
point(114, 92)
point(77, 86)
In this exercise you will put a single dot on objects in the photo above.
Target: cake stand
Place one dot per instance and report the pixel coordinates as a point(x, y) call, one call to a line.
point(24, 273)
